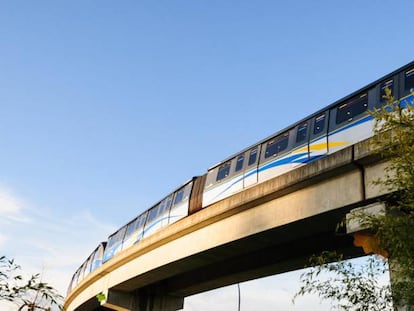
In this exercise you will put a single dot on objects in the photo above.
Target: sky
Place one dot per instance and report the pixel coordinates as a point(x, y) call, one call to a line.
point(108, 106)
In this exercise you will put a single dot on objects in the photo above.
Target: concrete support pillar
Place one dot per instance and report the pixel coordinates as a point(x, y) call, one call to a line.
point(359, 229)
point(160, 303)
point(120, 301)
point(141, 301)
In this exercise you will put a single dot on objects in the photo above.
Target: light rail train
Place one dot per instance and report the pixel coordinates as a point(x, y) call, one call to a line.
point(341, 124)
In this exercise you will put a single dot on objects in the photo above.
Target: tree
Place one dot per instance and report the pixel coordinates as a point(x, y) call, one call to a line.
point(357, 288)
point(30, 295)
point(347, 285)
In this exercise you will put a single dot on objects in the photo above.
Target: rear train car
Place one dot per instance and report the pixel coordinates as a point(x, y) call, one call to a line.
point(90, 264)
point(172, 208)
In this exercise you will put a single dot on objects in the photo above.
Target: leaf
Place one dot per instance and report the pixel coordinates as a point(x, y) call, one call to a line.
point(101, 297)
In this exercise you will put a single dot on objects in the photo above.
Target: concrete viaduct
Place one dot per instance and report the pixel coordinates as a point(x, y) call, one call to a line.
point(270, 228)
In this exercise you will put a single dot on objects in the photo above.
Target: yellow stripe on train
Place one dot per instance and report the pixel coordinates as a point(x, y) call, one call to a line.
point(321, 146)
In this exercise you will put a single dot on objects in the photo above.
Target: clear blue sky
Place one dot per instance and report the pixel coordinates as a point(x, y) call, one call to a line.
point(107, 106)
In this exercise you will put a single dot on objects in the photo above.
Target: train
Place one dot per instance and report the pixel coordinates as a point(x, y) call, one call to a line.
point(337, 126)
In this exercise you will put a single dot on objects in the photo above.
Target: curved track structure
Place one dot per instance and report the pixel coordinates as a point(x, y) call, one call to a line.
point(296, 183)
point(270, 228)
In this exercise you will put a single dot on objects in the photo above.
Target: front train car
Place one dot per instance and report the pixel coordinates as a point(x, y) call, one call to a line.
point(91, 263)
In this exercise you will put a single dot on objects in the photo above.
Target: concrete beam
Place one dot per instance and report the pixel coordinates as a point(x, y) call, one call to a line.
point(264, 219)
point(355, 218)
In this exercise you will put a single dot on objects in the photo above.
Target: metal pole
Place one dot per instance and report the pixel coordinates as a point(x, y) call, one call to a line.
point(238, 290)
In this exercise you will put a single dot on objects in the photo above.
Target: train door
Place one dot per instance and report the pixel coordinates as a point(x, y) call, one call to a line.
point(250, 171)
point(180, 204)
point(318, 140)
point(299, 153)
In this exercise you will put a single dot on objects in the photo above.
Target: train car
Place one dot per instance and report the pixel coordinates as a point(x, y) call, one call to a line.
point(331, 129)
point(170, 209)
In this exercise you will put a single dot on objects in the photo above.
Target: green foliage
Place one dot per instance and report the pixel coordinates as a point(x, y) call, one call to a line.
point(32, 294)
point(349, 287)
point(394, 140)
point(357, 288)
point(101, 297)
point(7, 279)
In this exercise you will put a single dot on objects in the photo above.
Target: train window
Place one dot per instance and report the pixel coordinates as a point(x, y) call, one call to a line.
point(343, 114)
point(88, 265)
point(179, 196)
point(118, 236)
point(82, 272)
point(277, 145)
point(97, 257)
point(76, 276)
point(135, 225)
point(159, 209)
point(351, 109)
point(252, 157)
point(141, 220)
point(409, 80)
point(239, 163)
point(223, 171)
point(73, 282)
point(130, 229)
point(302, 132)
point(153, 213)
point(385, 85)
point(271, 148)
point(283, 142)
point(183, 193)
point(165, 204)
point(319, 124)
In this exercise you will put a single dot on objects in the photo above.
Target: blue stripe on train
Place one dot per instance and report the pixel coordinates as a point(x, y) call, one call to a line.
point(297, 158)
point(111, 252)
point(347, 127)
point(291, 159)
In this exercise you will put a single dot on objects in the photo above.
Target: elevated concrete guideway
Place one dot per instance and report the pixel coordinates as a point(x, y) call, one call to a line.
point(270, 228)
